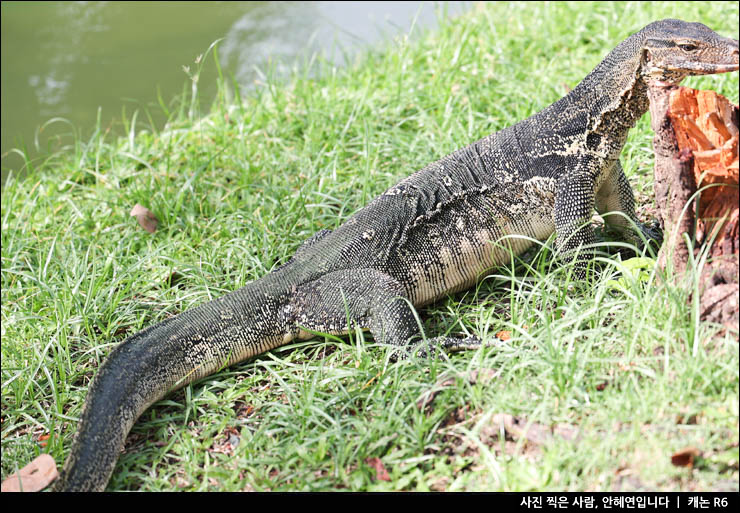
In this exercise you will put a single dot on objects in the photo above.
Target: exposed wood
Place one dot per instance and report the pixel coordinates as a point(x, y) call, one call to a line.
point(696, 149)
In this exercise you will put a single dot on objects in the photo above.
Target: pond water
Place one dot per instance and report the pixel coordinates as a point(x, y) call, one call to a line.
point(64, 60)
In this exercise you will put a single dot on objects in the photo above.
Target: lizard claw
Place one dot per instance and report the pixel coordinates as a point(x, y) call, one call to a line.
point(438, 346)
point(653, 236)
point(453, 345)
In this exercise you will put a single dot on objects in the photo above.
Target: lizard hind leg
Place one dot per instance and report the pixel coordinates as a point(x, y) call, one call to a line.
point(367, 298)
point(337, 301)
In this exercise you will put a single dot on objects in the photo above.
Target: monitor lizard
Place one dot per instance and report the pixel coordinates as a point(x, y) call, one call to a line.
point(434, 233)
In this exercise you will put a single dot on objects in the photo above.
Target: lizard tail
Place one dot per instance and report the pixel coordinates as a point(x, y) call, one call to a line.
point(155, 361)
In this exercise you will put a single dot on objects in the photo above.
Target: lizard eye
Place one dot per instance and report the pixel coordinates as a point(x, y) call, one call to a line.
point(687, 47)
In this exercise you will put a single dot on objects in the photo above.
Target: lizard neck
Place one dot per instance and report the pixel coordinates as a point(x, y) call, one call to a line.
point(615, 97)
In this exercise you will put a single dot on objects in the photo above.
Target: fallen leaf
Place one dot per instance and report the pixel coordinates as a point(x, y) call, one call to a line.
point(145, 217)
point(227, 442)
point(440, 485)
point(519, 428)
point(428, 396)
point(533, 432)
point(684, 418)
point(503, 335)
point(685, 457)
point(243, 410)
point(623, 471)
point(33, 477)
point(565, 431)
point(381, 474)
point(457, 416)
point(370, 382)
point(627, 480)
point(482, 375)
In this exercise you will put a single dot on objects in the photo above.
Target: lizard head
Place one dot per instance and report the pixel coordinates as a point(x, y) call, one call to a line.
point(675, 49)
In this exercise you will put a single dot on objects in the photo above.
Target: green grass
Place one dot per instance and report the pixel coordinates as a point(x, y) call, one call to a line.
point(634, 373)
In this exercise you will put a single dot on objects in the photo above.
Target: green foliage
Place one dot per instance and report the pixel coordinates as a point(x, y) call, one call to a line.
point(237, 191)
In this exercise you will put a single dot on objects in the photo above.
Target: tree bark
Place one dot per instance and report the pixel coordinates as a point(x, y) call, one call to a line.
point(696, 150)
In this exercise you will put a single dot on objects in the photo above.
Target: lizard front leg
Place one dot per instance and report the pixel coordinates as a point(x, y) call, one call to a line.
point(574, 206)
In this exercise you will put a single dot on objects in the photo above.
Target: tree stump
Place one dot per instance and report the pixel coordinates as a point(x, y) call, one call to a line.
point(696, 191)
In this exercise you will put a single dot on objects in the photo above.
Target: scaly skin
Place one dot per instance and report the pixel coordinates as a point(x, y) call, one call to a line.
point(436, 232)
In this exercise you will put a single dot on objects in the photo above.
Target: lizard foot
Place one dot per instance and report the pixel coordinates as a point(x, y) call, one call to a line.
point(653, 236)
point(431, 349)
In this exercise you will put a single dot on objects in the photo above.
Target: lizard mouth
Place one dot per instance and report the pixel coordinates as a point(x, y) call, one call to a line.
point(727, 68)
point(704, 68)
